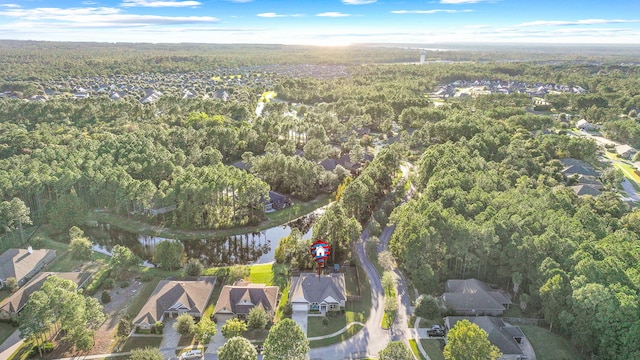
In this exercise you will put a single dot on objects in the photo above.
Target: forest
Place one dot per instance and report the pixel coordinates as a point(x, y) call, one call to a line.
point(489, 200)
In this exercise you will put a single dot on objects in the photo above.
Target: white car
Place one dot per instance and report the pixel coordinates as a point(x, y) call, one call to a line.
point(191, 354)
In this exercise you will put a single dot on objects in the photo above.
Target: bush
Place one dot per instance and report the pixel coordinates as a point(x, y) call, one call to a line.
point(108, 284)
point(145, 277)
point(193, 267)
point(124, 284)
point(288, 309)
point(124, 327)
point(106, 297)
point(427, 307)
point(98, 280)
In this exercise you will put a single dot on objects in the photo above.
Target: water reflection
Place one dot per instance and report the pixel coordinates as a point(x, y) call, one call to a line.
point(251, 248)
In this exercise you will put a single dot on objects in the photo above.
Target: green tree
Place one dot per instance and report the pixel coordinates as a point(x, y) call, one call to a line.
point(11, 283)
point(467, 341)
point(286, 341)
point(14, 214)
point(184, 325)
point(147, 353)
point(233, 327)
point(238, 272)
point(395, 350)
point(122, 258)
point(554, 295)
point(257, 318)
point(237, 348)
point(193, 267)
point(205, 329)
point(427, 307)
point(168, 255)
point(80, 248)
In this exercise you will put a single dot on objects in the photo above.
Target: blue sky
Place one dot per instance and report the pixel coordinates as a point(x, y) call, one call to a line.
point(322, 22)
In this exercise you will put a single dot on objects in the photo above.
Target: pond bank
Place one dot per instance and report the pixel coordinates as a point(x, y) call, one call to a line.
point(277, 218)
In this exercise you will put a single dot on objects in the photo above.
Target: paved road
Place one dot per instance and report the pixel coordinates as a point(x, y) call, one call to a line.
point(372, 338)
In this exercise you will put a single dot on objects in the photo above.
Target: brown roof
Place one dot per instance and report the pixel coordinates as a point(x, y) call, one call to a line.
point(14, 303)
point(19, 263)
point(241, 297)
point(190, 296)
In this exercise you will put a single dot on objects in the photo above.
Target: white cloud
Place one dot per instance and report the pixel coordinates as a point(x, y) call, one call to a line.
point(99, 17)
point(576, 22)
point(358, 2)
point(433, 11)
point(13, 6)
point(153, 3)
point(274, 15)
point(333, 14)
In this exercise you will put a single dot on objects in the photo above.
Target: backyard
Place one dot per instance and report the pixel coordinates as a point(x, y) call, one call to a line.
point(549, 346)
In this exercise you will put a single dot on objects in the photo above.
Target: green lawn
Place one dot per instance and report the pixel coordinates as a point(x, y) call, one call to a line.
point(137, 342)
point(433, 349)
point(629, 173)
point(315, 327)
point(549, 346)
point(66, 263)
point(137, 302)
point(358, 310)
point(414, 349)
point(5, 331)
point(261, 274)
point(336, 339)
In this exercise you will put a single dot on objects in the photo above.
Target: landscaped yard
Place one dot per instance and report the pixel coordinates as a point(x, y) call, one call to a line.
point(136, 342)
point(549, 346)
point(5, 331)
point(137, 302)
point(432, 347)
point(315, 327)
point(414, 349)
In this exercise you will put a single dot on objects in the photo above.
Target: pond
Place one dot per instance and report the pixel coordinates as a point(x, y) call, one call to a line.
point(251, 248)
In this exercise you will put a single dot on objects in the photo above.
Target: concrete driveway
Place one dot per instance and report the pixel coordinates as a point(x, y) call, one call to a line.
point(170, 340)
point(300, 317)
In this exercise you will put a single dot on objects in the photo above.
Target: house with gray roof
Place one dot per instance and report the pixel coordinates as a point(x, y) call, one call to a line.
point(238, 299)
point(324, 293)
point(585, 190)
point(12, 305)
point(172, 298)
point(474, 297)
point(23, 264)
point(626, 151)
point(509, 339)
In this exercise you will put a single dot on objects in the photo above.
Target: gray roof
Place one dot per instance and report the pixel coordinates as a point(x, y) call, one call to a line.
point(580, 170)
point(582, 190)
point(19, 263)
point(473, 294)
point(14, 303)
point(241, 297)
point(308, 287)
point(571, 161)
point(500, 334)
point(190, 296)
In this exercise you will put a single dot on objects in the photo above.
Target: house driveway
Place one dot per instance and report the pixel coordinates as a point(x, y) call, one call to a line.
point(170, 340)
point(217, 340)
point(300, 317)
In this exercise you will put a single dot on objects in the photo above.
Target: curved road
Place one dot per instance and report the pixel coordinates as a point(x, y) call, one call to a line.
point(372, 338)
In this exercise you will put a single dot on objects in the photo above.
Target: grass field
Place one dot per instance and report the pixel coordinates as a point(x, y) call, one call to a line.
point(261, 274)
point(66, 263)
point(137, 342)
point(336, 339)
point(432, 347)
point(629, 173)
point(549, 346)
point(315, 327)
point(414, 349)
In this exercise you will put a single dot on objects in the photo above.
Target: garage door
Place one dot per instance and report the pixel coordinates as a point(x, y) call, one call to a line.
point(299, 307)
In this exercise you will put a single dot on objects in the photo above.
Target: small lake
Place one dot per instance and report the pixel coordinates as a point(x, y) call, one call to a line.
point(252, 248)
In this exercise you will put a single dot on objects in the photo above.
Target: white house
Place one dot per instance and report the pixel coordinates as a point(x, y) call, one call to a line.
point(324, 293)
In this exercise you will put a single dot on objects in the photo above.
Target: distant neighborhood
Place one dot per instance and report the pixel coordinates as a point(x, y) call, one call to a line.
point(462, 88)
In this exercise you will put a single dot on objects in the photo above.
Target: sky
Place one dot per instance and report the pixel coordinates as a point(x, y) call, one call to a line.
point(323, 22)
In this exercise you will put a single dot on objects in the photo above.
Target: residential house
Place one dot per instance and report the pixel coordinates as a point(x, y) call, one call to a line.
point(238, 299)
point(276, 201)
point(324, 293)
point(12, 305)
point(584, 190)
point(510, 340)
point(23, 264)
point(583, 124)
point(172, 298)
point(579, 170)
point(626, 151)
point(474, 297)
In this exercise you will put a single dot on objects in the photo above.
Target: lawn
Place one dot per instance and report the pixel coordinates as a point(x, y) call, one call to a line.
point(629, 173)
point(66, 263)
point(5, 331)
point(414, 349)
point(137, 342)
point(549, 346)
point(433, 348)
point(336, 339)
point(136, 303)
point(315, 327)
point(358, 310)
point(261, 274)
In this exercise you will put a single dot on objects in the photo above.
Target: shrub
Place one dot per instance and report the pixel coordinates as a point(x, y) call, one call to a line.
point(108, 284)
point(106, 297)
point(124, 327)
point(193, 268)
point(145, 277)
point(98, 280)
point(124, 284)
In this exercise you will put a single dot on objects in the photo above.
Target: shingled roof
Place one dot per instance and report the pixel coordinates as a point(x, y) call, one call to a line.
point(500, 334)
point(183, 295)
point(473, 295)
point(242, 296)
point(14, 303)
point(18, 263)
point(313, 289)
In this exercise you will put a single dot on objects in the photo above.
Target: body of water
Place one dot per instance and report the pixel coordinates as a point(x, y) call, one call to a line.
point(251, 248)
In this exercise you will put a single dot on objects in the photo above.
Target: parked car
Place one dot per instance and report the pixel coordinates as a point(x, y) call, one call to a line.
point(191, 354)
point(435, 331)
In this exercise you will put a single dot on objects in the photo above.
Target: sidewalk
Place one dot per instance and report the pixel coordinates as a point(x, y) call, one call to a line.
point(416, 327)
point(10, 345)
